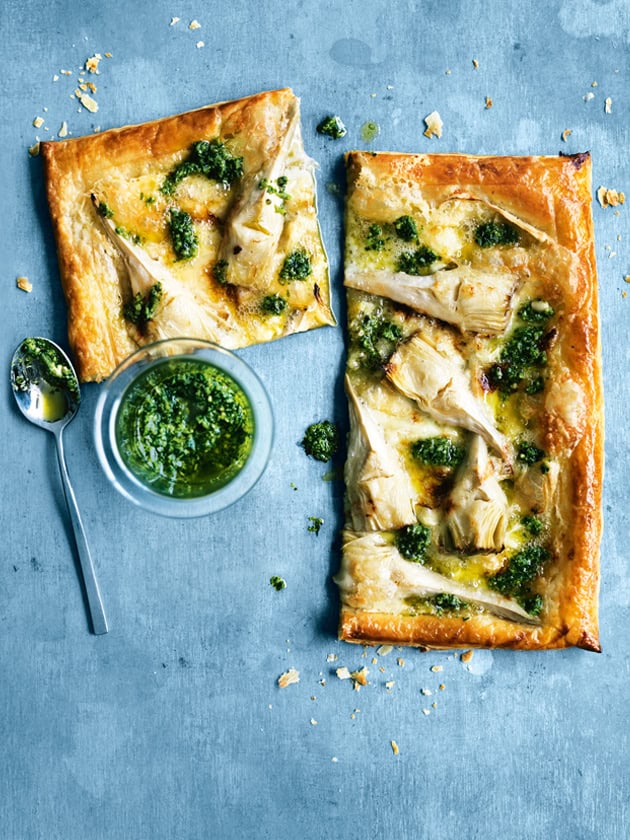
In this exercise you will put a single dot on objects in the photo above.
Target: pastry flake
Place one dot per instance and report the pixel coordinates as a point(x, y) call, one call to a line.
point(474, 466)
point(205, 221)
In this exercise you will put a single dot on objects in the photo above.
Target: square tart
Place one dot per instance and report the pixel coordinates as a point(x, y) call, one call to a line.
point(199, 225)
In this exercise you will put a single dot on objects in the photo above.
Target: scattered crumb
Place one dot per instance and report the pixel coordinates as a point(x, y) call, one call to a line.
point(475, 63)
point(383, 650)
point(624, 294)
point(426, 711)
point(34, 149)
point(441, 686)
point(343, 673)
point(194, 24)
point(390, 87)
point(447, 72)
point(608, 105)
point(627, 278)
point(612, 254)
point(381, 669)
point(372, 95)
point(395, 749)
point(200, 44)
point(313, 722)
point(55, 78)
point(610, 198)
point(426, 691)
point(88, 102)
point(593, 84)
point(313, 697)
point(488, 103)
point(332, 657)
point(401, 662)
point(289, 678)
point(434, 705)
point(360, 678)
point(63, 131)
point(566, 134)
point(66, 72)
point(108, 55)
point(174, 20)
point(91, 64)
point(467, 656)
point(38, 122)
point(588, 96)
point(436, 668)
point(434, 125)
point(334, 759)
point(374, 660)
point(322, 682)
point(390, 684)
point(24, 283)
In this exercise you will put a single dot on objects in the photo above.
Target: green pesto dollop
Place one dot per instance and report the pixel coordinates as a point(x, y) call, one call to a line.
point(184, 428)
point(211, 158)
point(183, 235)
point(42, 360)
point(332, 127)
point(416, 262)
point(438, 452)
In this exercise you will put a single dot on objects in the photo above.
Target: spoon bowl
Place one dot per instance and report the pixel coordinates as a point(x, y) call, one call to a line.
point(46, 389)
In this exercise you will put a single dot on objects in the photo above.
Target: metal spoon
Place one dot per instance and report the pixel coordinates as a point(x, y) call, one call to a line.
point(46, 389)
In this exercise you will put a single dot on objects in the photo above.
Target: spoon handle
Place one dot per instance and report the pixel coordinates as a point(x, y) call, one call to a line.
point(90, 583)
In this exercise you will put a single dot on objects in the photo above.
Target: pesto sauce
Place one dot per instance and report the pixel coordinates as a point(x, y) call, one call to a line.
point(184, 428)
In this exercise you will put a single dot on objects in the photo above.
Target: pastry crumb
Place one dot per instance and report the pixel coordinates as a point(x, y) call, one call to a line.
point(390, 684)
point(359, 678)
point(441, 686)
point(566, 134)
point(343, 673)
point(63, 131)
point(194, 24)
point(608, 105)
point(38, 122)
point(434, 124)
point(426, 711)
point(588, 96)
point(66, 72)
point(401, 662)
point(34, 149)
point(174, 20)
point(383, 650)
point(447, 72)
point(627, 278)
point(434, 705)
point(426, 691)
point(395, 749)
point(489, 103)
point(610, 198)
point(475, 63)
point(334, 759)
point(200, 44)
point(86, 100)
point(91, 63)
point(24, 283)
point(467, 656)
point(289, 677)
point(313, 722)
point(331, 657)
point(593, 84)
point(374, 660)
point(437, 668)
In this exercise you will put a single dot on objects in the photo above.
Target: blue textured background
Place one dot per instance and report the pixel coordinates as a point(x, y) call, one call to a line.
point(172, 726)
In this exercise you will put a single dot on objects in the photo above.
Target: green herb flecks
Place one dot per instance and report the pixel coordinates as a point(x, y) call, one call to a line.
point(273, 304)
point(321, 440)
point(211, 158)
point(183, 235)
point(332, 126)
point(278, 583)
point(536, 312)
point(412, 542)
point(296, 266)
point(374, 240)
point(142, 308)
point(528, 454)
point(219, 271)
point(104, 210)
point(42, 360)
point(438, 452)
point(276, 189)
point(316, 524)
point(491, 234)
point(416, 262)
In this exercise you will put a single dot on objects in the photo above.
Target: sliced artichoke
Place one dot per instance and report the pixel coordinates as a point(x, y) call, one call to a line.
point(473, 300)
point(255, 221)
point(428, 369)
point(538, 488)
point(380, 495)
point(374, 576)
point(179, 313)
point(477, 508)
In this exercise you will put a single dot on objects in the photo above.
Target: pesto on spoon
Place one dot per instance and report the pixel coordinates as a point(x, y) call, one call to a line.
point(46, 389)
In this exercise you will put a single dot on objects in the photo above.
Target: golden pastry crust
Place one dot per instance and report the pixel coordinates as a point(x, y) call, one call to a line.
point(124, 169)
point(548, 201)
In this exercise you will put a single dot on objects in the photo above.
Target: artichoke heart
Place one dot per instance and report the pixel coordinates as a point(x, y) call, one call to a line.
point(473, 300)
point(477, 506)
point(375, 577)
point(254, 224)
point(179, 313)
point(380, 495)
point(430, 370)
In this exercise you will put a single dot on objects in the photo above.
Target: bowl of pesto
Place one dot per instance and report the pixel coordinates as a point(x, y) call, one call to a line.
point(183, 428)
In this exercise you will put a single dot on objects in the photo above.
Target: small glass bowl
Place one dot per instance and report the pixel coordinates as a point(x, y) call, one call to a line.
point(109, 402)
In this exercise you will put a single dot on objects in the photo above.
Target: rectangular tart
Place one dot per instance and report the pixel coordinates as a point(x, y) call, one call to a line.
point(201, 225)
point(475, 452)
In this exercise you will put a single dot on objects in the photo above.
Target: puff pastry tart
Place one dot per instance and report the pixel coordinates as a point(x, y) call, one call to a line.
point(474, 466)
point(201, 225)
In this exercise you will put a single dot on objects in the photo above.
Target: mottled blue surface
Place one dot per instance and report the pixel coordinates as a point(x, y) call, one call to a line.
point(172, 726)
